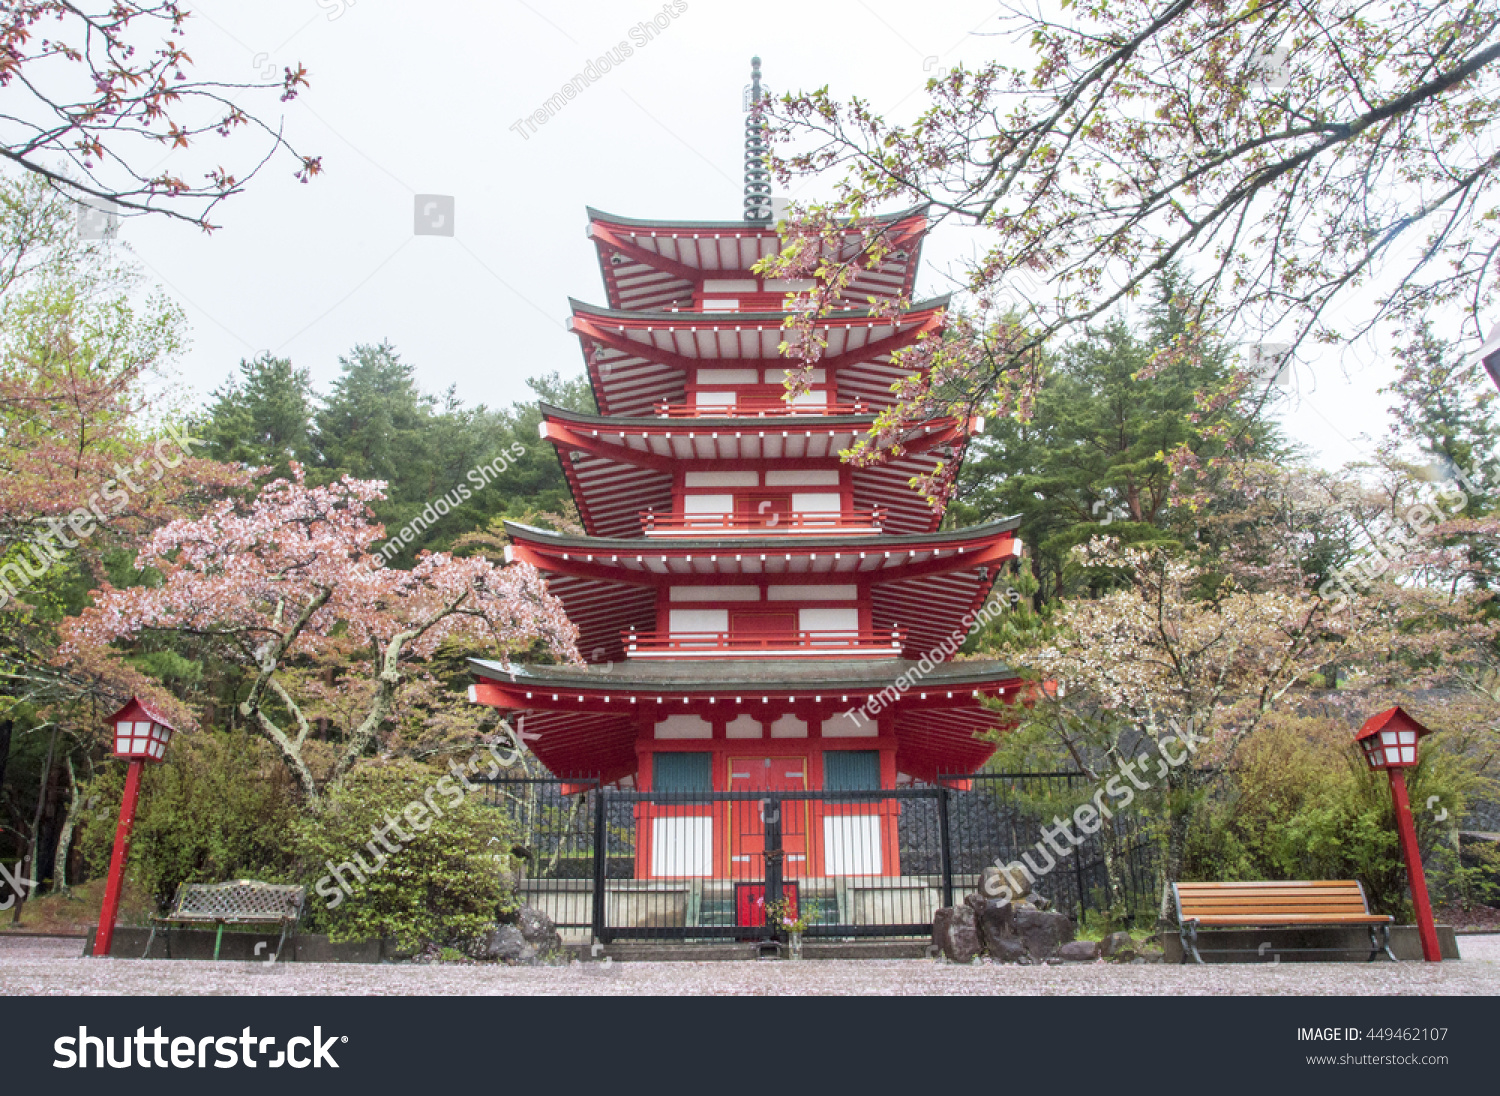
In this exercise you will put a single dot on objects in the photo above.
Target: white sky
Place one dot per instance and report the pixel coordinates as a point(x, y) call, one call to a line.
point(411, 98)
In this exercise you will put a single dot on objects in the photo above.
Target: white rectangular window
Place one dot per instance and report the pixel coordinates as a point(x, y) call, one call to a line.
point(682, 847)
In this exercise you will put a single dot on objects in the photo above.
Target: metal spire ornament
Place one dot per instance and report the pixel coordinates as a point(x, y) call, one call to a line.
point(757, 153)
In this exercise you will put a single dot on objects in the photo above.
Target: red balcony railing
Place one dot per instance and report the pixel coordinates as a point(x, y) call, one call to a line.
point(859, 643)
point(803, 522)
point(770, 407)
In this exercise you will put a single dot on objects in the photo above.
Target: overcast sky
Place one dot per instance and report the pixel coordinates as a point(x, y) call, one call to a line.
point(411, 99)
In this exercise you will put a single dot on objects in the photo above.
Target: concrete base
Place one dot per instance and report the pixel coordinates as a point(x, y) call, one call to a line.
point(1261, 945)
point(702, 953)
point(129, 943)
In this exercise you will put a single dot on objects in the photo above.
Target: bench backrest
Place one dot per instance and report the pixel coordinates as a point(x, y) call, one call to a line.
point(239, 898)
point(1259, 899)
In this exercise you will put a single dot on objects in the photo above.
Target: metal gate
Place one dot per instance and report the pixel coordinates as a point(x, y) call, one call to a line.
point(613, 864)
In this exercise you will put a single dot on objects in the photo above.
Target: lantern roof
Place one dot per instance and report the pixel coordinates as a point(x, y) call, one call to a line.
point(1392, 719)
point(138, 707)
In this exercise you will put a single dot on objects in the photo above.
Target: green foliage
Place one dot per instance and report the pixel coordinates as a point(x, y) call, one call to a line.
point(1093, 457)
point(219, 809)
point(1298, 803)
point(262, 417)
point(442, 886)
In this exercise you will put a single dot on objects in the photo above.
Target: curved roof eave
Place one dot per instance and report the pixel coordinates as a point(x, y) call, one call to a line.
point(687, 226)
point(932, 304)
point(606, 545)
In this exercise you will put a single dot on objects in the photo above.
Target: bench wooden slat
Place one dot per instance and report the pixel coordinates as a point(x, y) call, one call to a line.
point(1297, 919)
point(1273, 903)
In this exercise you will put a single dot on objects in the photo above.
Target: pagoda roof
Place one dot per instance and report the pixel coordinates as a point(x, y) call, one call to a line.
point(618, 466)
point(584, 721)
point(924, 583)
point(747, 228)
point(650, 264)
point(782, 677)
point(639, 359)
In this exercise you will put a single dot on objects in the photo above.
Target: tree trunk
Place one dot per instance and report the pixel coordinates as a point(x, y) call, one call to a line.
point(29, 864)
point(6, 725)
point(65, 838)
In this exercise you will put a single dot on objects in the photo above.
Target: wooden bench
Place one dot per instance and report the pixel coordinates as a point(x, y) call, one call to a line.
point(1303, 904)
point(240, 902)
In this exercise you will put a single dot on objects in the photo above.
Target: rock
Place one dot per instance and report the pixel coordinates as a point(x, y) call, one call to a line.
point(1008, 950)
point(1115, 943)
point(998, 880)
point(954, 932)
point(1138, 961)
point(996, 925)
point(503, 943)
point(976, 902)
point(538, 930)
point(1151, 955)
point(1042, 932)
point(1079, 951)
point(1041, 903)
point(1053, 962)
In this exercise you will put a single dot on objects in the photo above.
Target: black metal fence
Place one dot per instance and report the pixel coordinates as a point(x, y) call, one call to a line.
point(614, 864)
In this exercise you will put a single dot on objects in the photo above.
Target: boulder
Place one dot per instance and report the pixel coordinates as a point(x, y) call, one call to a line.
point(1008, 950)
point(1042, 932)
point(503, 943)
point(998, 880)
point(1079, 951)
point(538, 930)
point(1117, 943)
point(996, 925)
point(953, 931)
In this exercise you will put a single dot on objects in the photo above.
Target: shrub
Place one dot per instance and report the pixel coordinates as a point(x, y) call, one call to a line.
point(220, 808)
point(438, 884)
point(1298, 803)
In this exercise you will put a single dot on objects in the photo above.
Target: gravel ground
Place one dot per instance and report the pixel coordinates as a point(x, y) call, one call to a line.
point(50, 966)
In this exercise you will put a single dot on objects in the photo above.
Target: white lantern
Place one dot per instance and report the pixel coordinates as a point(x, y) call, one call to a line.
point(141, 732)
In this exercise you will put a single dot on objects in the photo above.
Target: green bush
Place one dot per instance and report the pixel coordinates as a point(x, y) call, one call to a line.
point(1298, 803)
point(219, 808)
point(437, 885)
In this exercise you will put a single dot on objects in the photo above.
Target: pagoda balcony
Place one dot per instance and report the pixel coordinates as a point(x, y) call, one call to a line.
point(773, 407)
point(794, 523)
point(861, 643)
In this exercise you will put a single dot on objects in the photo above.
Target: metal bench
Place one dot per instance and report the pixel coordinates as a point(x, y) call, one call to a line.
point(1299, 904)
point(240, 902)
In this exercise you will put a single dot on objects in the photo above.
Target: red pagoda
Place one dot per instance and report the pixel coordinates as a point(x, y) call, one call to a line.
point(747, 602)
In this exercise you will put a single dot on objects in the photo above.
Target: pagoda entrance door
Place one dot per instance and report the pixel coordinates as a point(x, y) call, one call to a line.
point(752, 819)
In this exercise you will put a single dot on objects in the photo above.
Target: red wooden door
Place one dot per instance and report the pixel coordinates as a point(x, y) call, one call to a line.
point(747, 830)
point(763, 630)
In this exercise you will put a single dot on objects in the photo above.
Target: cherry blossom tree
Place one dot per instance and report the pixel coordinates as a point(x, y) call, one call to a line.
point(1170, 660)
point(1317, 170)
point(286, 579)
point(96, 93)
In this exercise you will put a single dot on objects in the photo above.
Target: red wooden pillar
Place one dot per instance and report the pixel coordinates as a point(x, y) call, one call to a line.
point(105, 936)
point(1425, 927)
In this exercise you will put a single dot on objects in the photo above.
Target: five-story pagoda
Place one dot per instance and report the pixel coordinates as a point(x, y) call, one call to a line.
point(756, 614)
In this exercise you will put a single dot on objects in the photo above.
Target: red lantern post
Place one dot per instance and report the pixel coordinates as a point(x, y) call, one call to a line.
point(1389, 742)
point(141, 734)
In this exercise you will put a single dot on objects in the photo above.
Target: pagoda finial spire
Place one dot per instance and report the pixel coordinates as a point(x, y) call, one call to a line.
point(757, 166)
